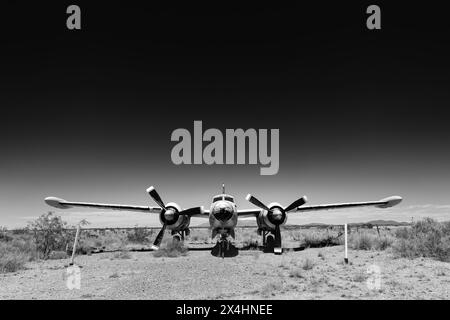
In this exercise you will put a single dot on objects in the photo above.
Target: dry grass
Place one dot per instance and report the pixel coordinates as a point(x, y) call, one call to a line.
point(308, 264)
point(368, 240)
point(16, 252)
point(55, 255)
point(426, 238)
point(11, 259)
point(296, 273)
point(171, 249)
point(122, 255)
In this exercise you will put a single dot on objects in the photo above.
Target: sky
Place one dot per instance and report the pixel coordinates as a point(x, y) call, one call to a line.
point(87, 115)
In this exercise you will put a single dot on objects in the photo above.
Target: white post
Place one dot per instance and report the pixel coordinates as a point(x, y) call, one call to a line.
point(345, 237)
point(75, 244)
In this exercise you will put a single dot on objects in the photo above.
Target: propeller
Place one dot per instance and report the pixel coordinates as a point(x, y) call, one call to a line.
point(169, 215)
point(277, 216)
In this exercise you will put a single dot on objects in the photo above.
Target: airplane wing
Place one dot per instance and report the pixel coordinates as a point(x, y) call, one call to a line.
point(383, 203)
point(241, 213)
point(63, 204)
point(249, 213)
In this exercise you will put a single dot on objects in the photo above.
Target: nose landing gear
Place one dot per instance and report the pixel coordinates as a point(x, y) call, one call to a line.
point(224, 248)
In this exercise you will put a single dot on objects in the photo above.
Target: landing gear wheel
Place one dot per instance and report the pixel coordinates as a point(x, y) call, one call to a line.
point(270, 243)
point(224, 246)
point(176, 239)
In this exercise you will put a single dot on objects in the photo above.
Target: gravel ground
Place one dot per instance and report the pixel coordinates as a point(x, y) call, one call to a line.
point(309, 274)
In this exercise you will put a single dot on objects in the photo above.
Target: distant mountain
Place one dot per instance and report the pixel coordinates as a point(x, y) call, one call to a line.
point(252, 223)
point(387, 223)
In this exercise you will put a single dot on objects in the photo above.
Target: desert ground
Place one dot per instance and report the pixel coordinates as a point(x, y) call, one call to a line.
point(313, 273)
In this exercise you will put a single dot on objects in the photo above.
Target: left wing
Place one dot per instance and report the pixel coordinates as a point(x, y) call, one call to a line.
point(64, 204)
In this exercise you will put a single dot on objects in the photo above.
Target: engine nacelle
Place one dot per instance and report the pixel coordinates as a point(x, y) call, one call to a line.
point(267, 220)
point(172, 218)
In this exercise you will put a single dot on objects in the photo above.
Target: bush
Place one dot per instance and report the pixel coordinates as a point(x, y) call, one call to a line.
point(4, 236)
point(56, 255)
point(426, 238)
point(308, 264)
point(171, 249)
point(49, 234)
point(11, 258)
point(113, 240)
point(383, 242)
point(296, 273)
point(362, 241)
point(122, 255)
point(365, 240)
point(26, 246)
point(139, 235)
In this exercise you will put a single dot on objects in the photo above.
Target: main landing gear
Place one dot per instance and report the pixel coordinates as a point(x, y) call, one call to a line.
point(179, 235)
point(268, 238)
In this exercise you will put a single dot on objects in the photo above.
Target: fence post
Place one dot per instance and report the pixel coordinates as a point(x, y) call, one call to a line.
point(346, 244)
point(75, 244)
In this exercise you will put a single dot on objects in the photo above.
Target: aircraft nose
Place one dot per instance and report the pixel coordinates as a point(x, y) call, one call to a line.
point(223, 211)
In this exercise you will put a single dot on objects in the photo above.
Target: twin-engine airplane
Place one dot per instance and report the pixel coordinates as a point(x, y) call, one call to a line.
point(223, 217)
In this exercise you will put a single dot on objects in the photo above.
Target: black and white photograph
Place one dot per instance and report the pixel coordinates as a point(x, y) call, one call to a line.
point(224, 152)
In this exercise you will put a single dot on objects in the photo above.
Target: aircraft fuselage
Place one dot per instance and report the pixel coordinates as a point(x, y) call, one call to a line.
point(223, 215)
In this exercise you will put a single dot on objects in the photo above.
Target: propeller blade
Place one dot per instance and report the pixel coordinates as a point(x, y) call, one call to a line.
point(295, 204)
point(277, 245)
point(256, 202)
point(192, 211)
point(159, 238)
point(155, 196)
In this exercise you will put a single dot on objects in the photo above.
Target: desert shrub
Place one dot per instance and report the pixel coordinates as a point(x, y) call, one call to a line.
point(383, 242)
point(139, 235)
point(271, 289)
point(4, 236)
point(113, 240)
point(11, 258)
point(85, 245)
point(56, 255)
point(171, 249)
point(200, 236)
point(49, 234)
point(25, 245)
point(362, 240)
point(296, 273)
point(360, 277)
point(316, 238)
point(123, 254)
point(308, 264)
point(425, 238)
point(296, 235)
point(11, 262)
point(250, 244)
point(368, 240)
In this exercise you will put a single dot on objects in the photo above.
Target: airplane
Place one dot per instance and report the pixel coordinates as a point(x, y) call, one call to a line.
point(223, 217)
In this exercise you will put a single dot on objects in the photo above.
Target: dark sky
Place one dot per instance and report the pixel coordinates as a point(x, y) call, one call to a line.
point(88, 114)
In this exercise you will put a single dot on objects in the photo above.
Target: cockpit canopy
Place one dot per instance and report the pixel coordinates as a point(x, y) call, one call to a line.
point(223, 197)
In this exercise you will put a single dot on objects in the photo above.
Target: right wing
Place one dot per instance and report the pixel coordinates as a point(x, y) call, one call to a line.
point(63, 204)
point(383, 203)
